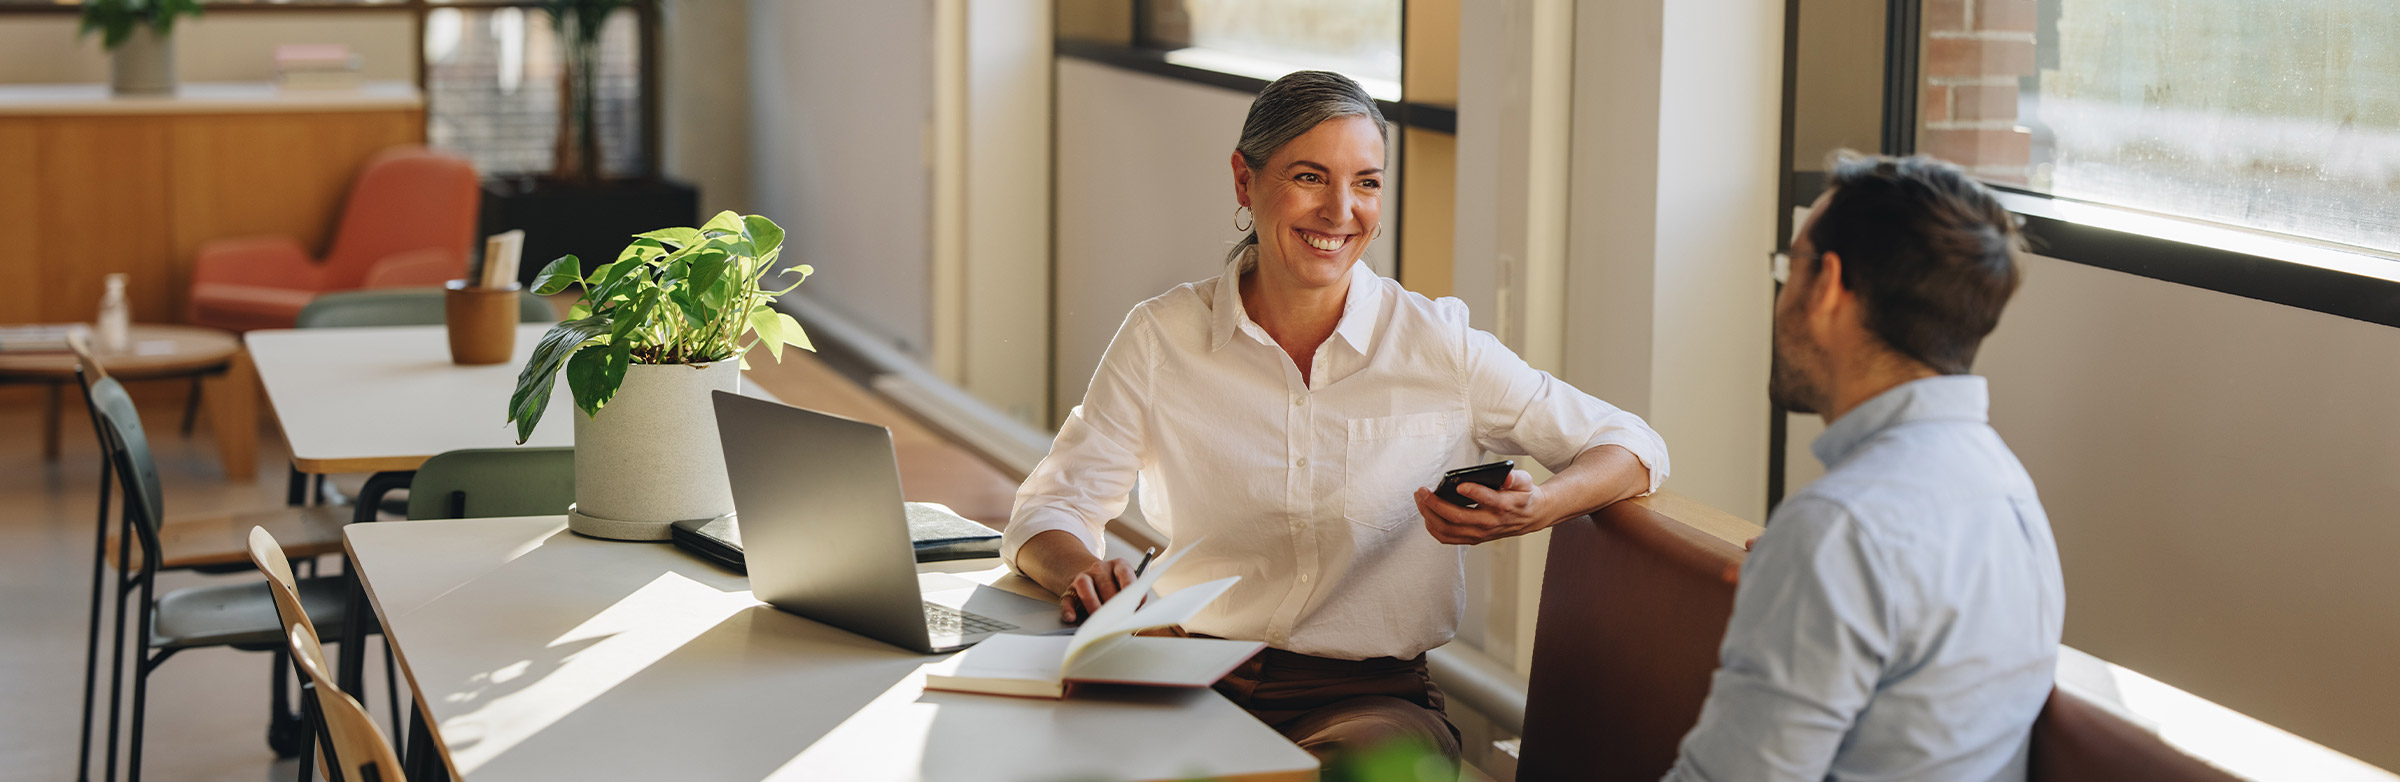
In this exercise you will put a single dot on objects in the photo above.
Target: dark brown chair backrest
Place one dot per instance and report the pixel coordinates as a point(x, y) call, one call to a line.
point(2076, 740)
point(1634, 605)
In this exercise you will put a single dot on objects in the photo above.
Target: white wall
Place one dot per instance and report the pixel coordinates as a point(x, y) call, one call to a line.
point(1144, 200)
point(706, 75)
point(841, 96)
point(2224, 478)
point(1006, 343)
point(214, 47)
point(1677, 117)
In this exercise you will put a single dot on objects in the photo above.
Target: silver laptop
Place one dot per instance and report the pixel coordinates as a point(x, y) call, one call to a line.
point(825, 533)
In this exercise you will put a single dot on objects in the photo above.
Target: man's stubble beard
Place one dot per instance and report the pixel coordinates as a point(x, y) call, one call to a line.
point(1787, 386)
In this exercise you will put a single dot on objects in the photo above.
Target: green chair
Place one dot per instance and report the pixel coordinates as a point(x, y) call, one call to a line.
point(488, 482)
point(401, 307)
point(241, 616)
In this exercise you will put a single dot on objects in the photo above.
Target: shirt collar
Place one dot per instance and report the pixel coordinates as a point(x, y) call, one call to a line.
point(1942, 398)
point(1359, 308)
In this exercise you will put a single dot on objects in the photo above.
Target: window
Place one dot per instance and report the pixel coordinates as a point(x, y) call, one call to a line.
point(492, 89)
point(1266, 39)
point(2273, 116)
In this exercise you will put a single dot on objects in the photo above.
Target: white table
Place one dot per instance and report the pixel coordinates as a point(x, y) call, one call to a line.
point(536, 653)
point(385, 399)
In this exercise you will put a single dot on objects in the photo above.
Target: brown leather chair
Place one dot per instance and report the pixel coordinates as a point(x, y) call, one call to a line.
point(1634, 605)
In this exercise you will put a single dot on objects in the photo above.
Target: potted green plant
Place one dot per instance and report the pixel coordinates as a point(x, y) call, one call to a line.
point(136, 34)
point(651, 335)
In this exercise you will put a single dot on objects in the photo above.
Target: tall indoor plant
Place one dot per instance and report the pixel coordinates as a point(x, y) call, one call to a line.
point(136, 34)
point(652, 334)
point(576, 158)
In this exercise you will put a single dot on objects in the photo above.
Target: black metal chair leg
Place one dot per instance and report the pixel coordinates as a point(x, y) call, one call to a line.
point(91, 643)
point(350, 673)
point(391, 685)
point(141, 690)
point(116, 667)
point(295, 492)
point(191, 408)
point(285, 732)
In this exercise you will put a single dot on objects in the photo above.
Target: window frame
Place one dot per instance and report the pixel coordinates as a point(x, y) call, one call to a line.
point(2339, 280)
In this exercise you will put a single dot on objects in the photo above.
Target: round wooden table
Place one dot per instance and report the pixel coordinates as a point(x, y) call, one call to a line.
point(152, 351)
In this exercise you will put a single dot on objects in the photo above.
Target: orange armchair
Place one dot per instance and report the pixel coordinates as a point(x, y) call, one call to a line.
point(409, 221)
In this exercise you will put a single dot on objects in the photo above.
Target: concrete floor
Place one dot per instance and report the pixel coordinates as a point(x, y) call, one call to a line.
point(207, 707)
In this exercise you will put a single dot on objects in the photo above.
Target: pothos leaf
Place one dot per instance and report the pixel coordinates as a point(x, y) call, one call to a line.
point(770, 330)
point(672, 237)
point(764, 234)
point(793, 335)
point(558, 275)
point(535, 381)
point(595, 373)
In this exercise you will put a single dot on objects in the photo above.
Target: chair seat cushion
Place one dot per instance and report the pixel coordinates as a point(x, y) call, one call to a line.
point(223, 542)
point(242, 615)
point(246, 307)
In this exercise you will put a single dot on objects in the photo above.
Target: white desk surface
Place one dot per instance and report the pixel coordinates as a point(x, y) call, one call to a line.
point(205, 98)
point(540, 654)
point(373, 399)
point(355, 400)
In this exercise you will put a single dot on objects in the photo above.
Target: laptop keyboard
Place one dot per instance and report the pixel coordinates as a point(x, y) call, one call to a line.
point(942, 620)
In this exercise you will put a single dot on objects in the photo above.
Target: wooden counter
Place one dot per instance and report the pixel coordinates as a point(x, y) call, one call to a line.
point(96, 184)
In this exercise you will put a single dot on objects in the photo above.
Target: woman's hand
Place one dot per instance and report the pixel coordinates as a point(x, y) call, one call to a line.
point(1095, 585)
point(1509, 511)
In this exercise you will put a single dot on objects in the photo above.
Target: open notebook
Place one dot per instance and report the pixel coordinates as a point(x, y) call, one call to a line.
point(1104, 650)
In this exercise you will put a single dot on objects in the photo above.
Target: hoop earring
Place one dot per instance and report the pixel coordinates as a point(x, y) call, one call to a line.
point(1376, 234)
point(1241, 218)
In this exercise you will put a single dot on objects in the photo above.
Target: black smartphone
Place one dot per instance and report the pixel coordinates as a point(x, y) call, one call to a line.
point(1494, 476)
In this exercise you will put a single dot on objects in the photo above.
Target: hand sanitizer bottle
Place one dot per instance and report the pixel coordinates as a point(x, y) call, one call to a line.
point(115, 318)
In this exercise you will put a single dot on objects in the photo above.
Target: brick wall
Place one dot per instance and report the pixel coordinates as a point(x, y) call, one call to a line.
point(1973, 54)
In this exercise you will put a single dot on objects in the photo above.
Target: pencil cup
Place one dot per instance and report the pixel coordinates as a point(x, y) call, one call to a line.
point(482, 321)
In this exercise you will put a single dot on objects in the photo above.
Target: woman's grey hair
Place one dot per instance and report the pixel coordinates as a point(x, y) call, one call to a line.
point(1289, 109)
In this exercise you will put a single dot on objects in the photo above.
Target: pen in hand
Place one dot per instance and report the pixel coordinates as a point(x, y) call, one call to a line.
point(1148, 554)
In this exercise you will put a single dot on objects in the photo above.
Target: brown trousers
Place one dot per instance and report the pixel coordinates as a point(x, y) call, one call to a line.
point(1330, 706)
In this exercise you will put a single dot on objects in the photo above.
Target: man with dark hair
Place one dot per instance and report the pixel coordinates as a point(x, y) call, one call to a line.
point(1900, 617)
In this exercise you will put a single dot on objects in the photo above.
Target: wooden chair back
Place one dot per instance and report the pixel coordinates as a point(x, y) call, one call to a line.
point(359, 749)
point(268, 555)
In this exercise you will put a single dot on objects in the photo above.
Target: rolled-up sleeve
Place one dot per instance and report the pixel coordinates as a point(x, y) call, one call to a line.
point(1098, 454)
point(1809, 639)
point(1519, 409)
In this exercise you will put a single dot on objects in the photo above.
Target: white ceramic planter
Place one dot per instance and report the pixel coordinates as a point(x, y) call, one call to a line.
point(144, 64)
point(651, 457)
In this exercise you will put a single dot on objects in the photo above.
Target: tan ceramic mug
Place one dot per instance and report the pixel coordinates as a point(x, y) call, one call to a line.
point(482, 321)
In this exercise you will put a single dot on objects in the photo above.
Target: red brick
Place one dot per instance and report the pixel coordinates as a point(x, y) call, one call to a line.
point(1983, 101)
point(1937, 103)
point(1966, 57)
point(1978, 148)
point(1945, 15)
point(2005, 15)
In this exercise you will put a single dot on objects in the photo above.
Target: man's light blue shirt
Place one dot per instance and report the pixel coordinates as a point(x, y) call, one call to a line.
point(1899, 619)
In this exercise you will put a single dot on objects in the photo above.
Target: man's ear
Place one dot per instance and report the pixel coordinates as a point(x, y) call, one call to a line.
point(1827, 299)
point(1241, 179)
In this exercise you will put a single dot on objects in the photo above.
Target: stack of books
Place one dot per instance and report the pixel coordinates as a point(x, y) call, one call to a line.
point(38, 337)
point(317, 66)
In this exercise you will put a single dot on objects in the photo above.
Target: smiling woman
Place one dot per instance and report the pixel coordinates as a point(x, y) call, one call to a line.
point(1294, 411)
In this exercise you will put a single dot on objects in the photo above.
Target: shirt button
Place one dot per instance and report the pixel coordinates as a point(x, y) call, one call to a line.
point(1303, 462)
point(1297, 399)
point(1304, 578)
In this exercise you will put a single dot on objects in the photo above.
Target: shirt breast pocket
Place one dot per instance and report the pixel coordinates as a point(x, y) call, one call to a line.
point(1388, 458)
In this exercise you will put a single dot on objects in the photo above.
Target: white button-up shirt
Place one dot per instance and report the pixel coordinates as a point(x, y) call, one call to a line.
point(1304, 488)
